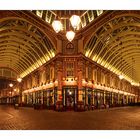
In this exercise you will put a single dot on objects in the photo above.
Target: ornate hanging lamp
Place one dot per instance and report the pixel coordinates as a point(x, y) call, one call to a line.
point(70, 35)
point(57, 26)
point(75, 21)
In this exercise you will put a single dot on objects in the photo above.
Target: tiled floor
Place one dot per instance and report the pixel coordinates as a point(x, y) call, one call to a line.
point(123, 118)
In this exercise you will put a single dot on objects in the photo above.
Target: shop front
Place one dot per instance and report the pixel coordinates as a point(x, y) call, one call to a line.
point(49, 98)
point(99, 98)
point(43, 97)
point(88, 98)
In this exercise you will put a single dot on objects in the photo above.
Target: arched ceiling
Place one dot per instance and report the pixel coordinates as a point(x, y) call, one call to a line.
point(23, 46)
point(116, 45)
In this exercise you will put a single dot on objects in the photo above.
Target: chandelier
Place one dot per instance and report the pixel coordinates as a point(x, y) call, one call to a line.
point(74, 20)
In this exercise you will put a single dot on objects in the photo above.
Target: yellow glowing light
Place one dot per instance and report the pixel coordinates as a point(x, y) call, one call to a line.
point(37, 64)
point(57, 26)
point(19, 79)
point(11, 85)
point(75, 21)
point(121, 77)
point(87, 53)
point(70, 35)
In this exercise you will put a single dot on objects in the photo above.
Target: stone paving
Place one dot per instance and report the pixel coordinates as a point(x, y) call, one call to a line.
point(122, 118)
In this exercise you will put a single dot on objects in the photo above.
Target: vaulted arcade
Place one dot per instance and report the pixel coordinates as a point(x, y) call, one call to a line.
point(87, 59)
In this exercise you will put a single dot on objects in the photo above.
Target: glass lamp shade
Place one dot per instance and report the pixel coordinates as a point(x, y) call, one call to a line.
point(19, 79)
point(121, 77)
point(75, 21)
point(56, 25)
point(11, 85)
point(70, 35)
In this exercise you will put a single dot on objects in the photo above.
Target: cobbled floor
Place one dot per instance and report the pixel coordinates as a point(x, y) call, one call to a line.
point(122, 118)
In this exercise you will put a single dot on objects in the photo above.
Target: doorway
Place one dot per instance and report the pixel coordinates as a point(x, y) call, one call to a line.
point(69, 97)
